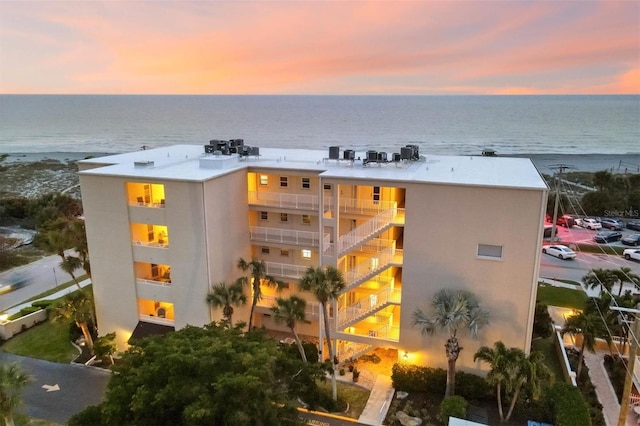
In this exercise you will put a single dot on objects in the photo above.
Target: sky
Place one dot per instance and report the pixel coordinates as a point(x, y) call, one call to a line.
point(330, 47)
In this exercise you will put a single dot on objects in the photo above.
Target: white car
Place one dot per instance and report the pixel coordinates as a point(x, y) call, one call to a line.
point(591, 224)
point(559, 251)
point(631, 254)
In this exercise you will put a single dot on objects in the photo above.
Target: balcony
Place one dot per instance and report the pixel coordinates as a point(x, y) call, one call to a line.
point(371, 331)
point(154, 281)
point(157, 204)
point(373, 266)
point(370, 229)
point(284, 236)
point(155, 244)
point(285, 270)
point(364, 207)
point(283, 200)
point(368, 305)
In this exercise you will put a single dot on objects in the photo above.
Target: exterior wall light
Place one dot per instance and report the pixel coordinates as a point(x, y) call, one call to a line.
point(405, 356)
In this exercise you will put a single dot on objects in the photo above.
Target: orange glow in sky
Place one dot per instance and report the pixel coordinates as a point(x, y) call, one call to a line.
point(320, 47)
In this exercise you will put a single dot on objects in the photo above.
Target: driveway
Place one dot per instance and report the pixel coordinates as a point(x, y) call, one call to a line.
point(78, 386)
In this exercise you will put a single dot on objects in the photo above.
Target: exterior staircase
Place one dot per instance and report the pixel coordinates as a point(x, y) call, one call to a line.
point(368, 306)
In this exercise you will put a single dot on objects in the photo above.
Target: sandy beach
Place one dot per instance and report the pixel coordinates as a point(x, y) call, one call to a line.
point(615, 163)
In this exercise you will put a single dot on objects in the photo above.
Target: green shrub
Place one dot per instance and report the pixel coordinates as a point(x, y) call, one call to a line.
point(23, 312)
point(310, 350)
point(473, 387)
point(92, 415)
point(453, 406)
point(42, 304)
point(568, 406)
point(542, 323)
point(411, 378)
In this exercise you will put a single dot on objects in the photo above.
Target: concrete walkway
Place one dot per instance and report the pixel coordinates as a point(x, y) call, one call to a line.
point(14, 309)
point(604, 389)
point(379, 400)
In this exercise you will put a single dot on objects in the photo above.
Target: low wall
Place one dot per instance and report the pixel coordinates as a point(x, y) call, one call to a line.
point(569, 375)
point(8, 329)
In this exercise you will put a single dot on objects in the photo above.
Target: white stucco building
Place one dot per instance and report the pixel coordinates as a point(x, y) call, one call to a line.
point(164, 225)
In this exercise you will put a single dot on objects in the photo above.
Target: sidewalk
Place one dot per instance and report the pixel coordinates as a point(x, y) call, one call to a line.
point(14, 309)
point(379, 400)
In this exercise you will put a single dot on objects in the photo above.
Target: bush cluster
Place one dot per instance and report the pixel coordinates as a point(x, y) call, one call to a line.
point(433, 381)
point(23, 312)
point(455, 406)
point(568, 406)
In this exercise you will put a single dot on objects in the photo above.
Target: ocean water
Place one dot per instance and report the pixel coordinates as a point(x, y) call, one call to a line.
point(608, 124)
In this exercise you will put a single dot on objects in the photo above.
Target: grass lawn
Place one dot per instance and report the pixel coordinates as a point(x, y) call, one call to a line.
point(355, 395)
point(48, 341)
point(22, 420)
point(551, 360)
point(560, 296)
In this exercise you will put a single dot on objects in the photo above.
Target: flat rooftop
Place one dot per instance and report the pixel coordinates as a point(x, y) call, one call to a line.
point(190, 163)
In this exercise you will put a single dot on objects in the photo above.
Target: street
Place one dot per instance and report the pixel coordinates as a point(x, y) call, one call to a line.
point(33, 279)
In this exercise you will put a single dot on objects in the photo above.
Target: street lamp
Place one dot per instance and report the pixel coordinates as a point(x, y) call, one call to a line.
point(55, 278)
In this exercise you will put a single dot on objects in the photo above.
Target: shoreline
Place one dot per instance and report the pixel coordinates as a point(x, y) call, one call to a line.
point(615, 163)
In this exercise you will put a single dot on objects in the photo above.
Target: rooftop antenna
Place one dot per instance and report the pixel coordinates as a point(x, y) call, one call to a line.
point(558, 169)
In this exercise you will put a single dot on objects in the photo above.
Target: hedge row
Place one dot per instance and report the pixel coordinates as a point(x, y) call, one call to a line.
point(568, 406)
point(35, 307)
point(411, 378)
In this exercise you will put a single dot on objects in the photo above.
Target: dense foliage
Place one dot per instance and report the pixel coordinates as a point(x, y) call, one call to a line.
point(212, 375)
point(614, 194)
point(453, 406)
point(568, 406)
point(412, 378)
point(542, 322)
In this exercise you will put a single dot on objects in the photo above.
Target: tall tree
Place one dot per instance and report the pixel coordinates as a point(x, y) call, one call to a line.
point(625, 275)
point(258, 276)
point(511, 370)
point(227, 296)
point(69, 265)
point(12, 382)
point(326, 285)
point(452, 311)
point(291, 311)
point(602, 278)
point(77, 307)
point(591, 326)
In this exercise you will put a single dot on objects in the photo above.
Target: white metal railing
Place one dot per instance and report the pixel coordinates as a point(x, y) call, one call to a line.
point(368, 229)
point(284, 270)
point(362, 206)
point(372, 266)
point(153, 282)
point(150, 205)
point(312, 309)
point(390, 332)
point(156, 320)
point(278, 199)
point(376, 245)
point(369, 304)
point(353, 350)
point(150, 244)
point(284, 236)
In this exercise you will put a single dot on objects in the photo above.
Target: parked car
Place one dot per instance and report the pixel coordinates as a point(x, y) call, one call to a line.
point(634, 224)
point(547, 232)
point(613, 224)
point(559, 251)
point(607, 236)
point(590, 223)
point(631, 240)
point(631, 254)
point(566, 221)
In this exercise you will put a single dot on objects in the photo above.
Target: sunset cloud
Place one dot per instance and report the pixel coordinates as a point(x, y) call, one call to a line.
point(325, 47)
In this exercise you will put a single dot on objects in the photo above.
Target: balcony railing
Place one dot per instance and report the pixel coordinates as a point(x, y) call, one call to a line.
point(368, 305)
point(367, 230)
point(159, 281)
point(362, 206)
point(284, 236)
point(278, 199)
point(311, 309)
point(156, 320)
point(158, 205)
point(151, 244)
point(285, 270)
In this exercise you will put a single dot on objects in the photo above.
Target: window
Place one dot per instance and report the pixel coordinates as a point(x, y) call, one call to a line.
point(264, 180)
point(327, 187)
point(306, 219)
point(284, 217)
point(264, 250)
point(376, 194)
point(306, 254)
point(284, 252)
point(284, 181)
point(306, 183)
point(264, 215)
point(490, 251)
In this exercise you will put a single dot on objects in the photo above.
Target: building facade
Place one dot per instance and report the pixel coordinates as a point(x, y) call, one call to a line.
point(165, 225)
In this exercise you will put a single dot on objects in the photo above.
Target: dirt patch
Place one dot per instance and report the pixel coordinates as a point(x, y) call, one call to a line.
point(34, 179)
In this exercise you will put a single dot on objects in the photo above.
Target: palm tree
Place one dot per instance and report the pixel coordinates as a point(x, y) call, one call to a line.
point(12, 381)
point(226, 297)
point(512, 368)
point(291, 311)
point(70, 264)
point(326, 285)
point(258, 271)
point(79, 240)
point(78, 307)
point(602, 278)
point(453, 311)
point(591, 325)
point(625, 275)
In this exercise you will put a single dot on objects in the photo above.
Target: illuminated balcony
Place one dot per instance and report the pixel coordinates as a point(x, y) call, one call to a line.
point(284, 236)
point(369, 229)
point(155, 311)
point(145, 194)
point(368, 305)
point(378, 326)
point(284, 200)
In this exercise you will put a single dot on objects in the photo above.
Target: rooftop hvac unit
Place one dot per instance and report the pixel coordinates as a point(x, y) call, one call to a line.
point(243, 151)
point(372, 155)
point(406, 153)
point(220, 145)
point(415, 152)
point(382, 157)
point(396, 156)
point(209, 149)
point(214, 141)
point(236, 142)
point(254, 150)
point(349, 154)
point(334, 152)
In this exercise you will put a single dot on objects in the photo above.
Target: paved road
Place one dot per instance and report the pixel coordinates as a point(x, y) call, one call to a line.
point(79, 387)
point(37, 277)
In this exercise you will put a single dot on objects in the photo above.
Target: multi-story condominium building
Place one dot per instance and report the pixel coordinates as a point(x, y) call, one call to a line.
point(165, 225)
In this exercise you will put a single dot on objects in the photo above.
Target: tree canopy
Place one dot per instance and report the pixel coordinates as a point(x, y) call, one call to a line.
point(213, 375)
